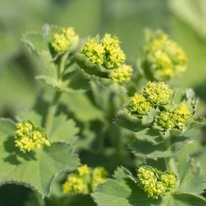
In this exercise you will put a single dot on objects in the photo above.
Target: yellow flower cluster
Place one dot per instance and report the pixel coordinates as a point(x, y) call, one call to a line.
point(64, 40)
point(158, 93)
point(30, 137)
point(99, 175)
point(154, 183)
point(107, 51)
point(74, 184)
point(164, 58)
point(169, 179)
point(175, 118)
point(139, 105)
point(114, 56)
point(94, 51)
point(122, 74)
point(84, 180)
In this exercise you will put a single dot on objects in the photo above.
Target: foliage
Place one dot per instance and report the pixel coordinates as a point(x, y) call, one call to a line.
point(131, 129)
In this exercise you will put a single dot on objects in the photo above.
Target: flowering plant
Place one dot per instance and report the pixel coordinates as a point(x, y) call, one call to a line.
point(112, 134)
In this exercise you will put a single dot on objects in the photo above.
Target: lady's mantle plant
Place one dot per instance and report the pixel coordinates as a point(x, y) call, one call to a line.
point(43, 149)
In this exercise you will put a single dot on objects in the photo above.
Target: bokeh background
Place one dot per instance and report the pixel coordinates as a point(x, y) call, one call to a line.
point(183, 20)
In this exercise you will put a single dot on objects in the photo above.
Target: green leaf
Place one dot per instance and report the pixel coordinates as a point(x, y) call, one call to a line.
point(149, 135)
point(82, 107)
point(181, 199)
point(190, 199)
point(37, 168)
point(125, 119)
point(121, 191)
point(34, 42)
point(48, 80)
point(149, 118)
point(98, 74)
point(75, 82)
point(63, 130)
point(191, 178)
point(148, 150)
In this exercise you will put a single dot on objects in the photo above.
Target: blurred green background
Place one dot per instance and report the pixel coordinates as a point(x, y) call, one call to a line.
point(183, 20)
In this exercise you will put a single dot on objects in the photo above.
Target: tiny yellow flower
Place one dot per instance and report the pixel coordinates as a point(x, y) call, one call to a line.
point(114, 56)
point(66, 39)
point(138, 104)
point(155, 183)
point(169, 179)
point(29, 137)
point(99, 175)
point(174, 118)
point(74, 184)
point(82, 170)
point(121, 74)
point(158, 93)
point(94, 51)
point(164, 58)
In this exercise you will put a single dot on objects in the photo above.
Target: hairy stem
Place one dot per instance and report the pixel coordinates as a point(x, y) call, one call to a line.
point(170, 162)
point(62, 64)
point(52, 111)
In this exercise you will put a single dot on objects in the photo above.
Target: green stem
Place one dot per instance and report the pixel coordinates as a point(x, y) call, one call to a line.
point(62, 64)
point(52, 111)
point(170, 162)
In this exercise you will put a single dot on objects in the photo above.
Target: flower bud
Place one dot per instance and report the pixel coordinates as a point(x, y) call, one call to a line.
point(29, 137)
point(164, 59)
point(94, 51)
point(114, 56)
point(139, 105)
point(66, 39)
point(158, 93)
point(122, 74)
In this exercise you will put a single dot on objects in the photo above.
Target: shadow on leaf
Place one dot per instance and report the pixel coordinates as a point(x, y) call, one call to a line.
point(16, 156)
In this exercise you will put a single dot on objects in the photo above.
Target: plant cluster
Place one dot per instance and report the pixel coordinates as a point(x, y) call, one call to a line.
point(73, 148)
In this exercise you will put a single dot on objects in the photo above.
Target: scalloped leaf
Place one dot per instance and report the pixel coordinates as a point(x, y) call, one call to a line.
point(149, 135)
point(125, 119)
point(63, 130)
point(75, 82)
point(36, 169)
point(189, 199)
point(121, 191)
point(89, 68)
point(149, 118)
point(98, 74)
point(148, 150)
point(34, 42)
point(191, 177)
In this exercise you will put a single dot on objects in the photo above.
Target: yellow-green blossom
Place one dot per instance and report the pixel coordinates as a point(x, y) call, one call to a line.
point(65, 39)
point(164, 58)
point(122, 74)
point(114, 56)
point(30, 137)
point(150, 183)
point(181, 114)
point(82, 170)
point(169, 179)
point(158, 93)
point(84, 179)
point(94, 51)
point(74, 184)
point(99, 175)
point(155, 183)
point(174, 118)
point(138, 104)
